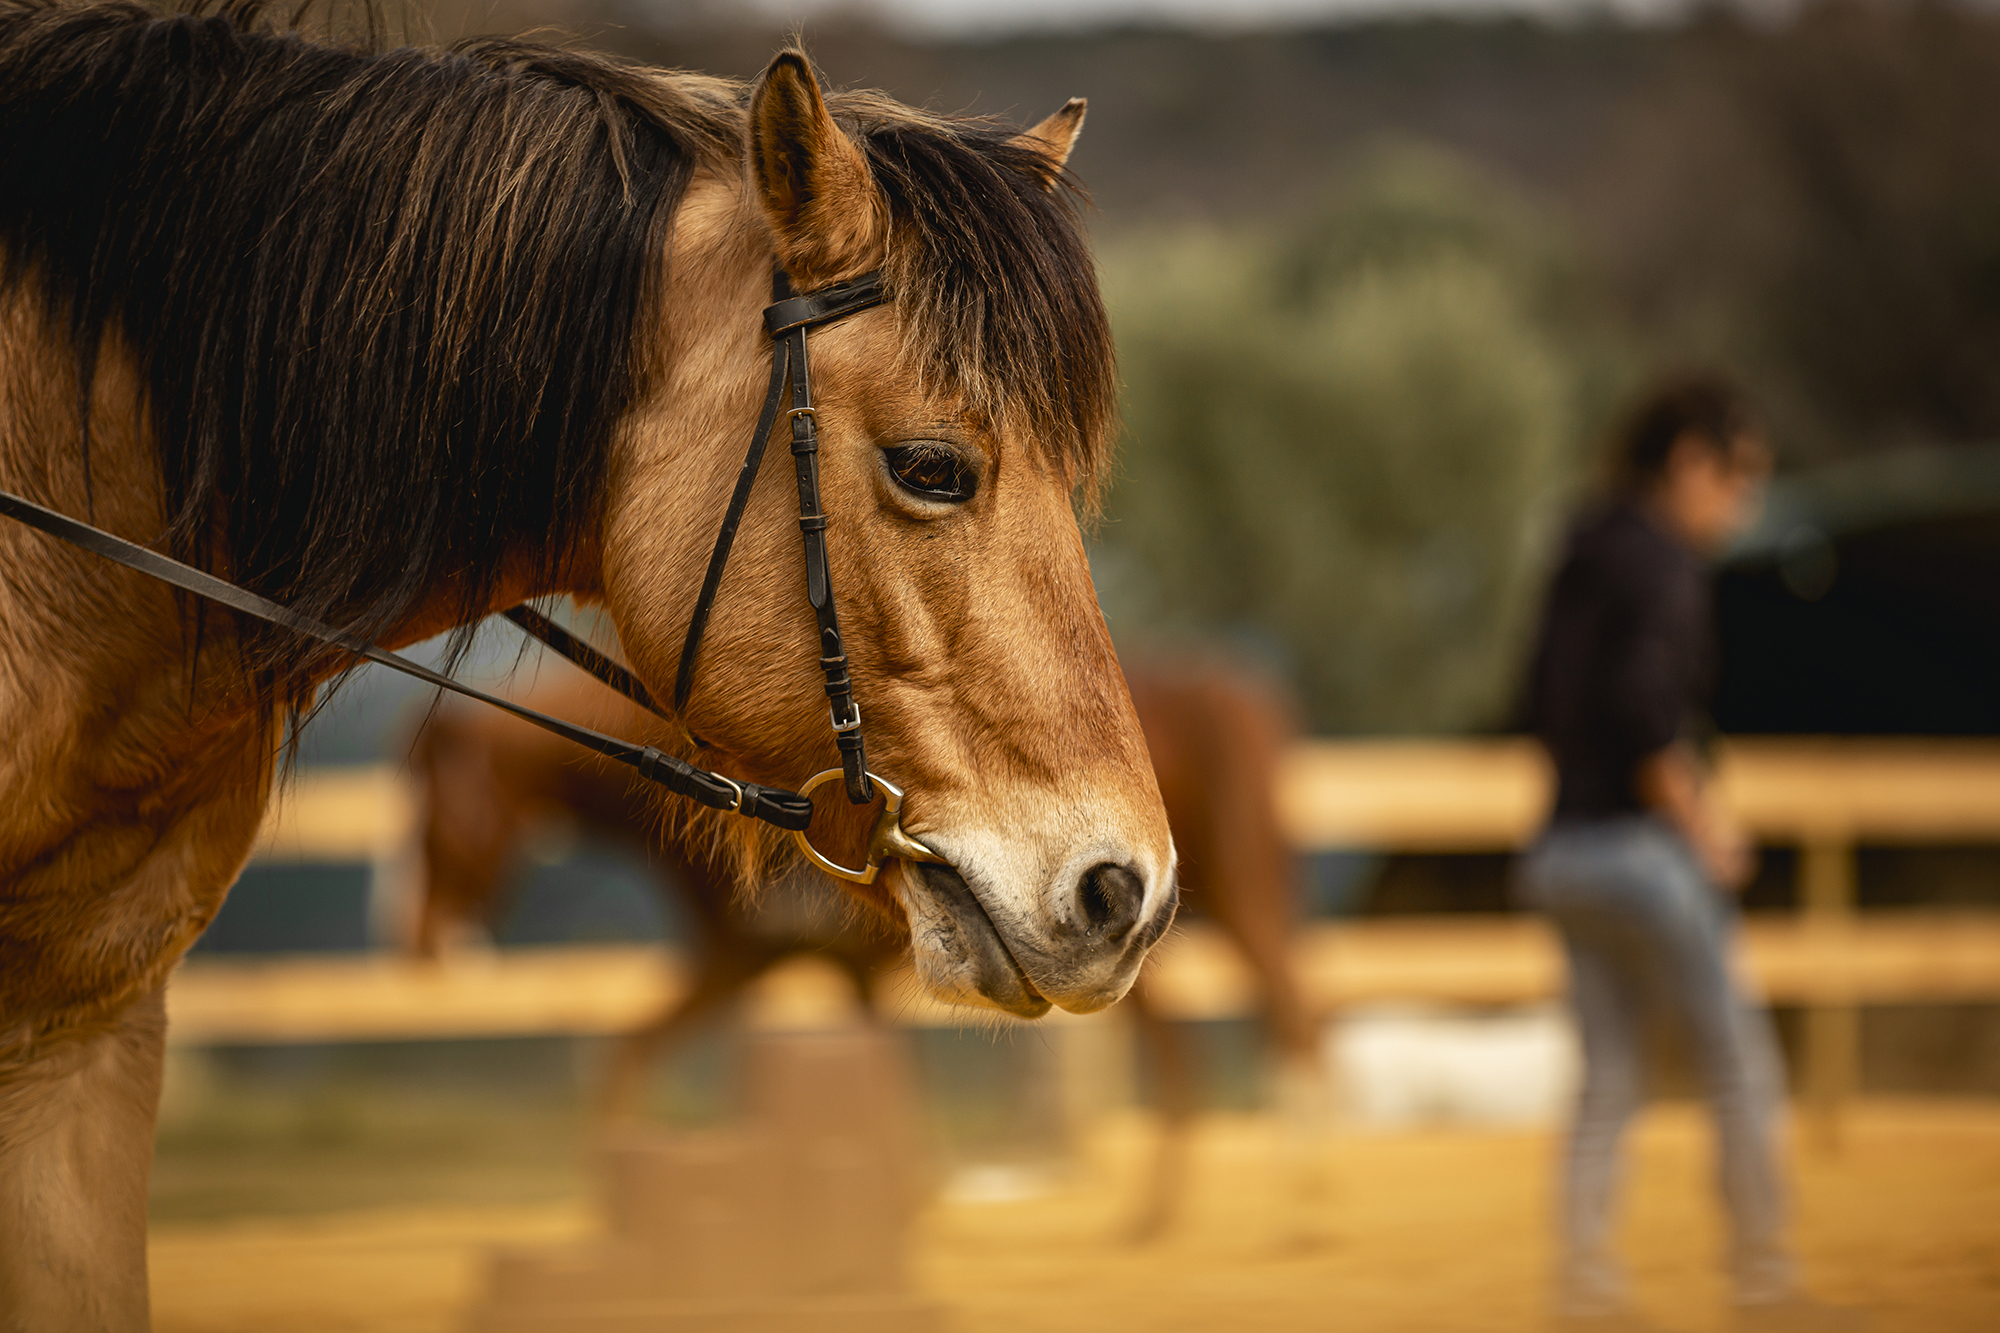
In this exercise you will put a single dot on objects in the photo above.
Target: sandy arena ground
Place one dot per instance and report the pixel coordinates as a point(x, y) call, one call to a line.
point(1431, 1231)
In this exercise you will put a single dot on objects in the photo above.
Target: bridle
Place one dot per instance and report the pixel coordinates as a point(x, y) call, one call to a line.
point(787, 320)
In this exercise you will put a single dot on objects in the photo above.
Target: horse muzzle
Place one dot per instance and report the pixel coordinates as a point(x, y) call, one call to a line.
point(1080, 946)
point(957, 932)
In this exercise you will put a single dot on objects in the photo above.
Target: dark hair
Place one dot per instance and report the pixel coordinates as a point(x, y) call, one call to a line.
point(384, 303)
point(1707, 406)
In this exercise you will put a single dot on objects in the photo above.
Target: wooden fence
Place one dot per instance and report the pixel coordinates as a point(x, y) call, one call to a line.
point(1897, 957)
point(1824, 797)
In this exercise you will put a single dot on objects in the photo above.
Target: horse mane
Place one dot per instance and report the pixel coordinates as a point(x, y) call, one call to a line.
point(384, 302)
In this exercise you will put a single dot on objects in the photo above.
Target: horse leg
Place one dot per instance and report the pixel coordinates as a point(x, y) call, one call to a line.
point(470, 825)
point(1305, 1119)
point(1304, 1078)
point(76, 1147)
point(864, 965)
point(1166, 1184)
point(83, 1039)
point(725, 972)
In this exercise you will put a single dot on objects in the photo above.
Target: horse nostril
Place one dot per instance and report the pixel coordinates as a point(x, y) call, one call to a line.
point(1111, 896)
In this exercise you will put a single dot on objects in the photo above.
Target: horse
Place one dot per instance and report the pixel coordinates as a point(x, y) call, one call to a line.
point(399, 338)
point(1215, 730)
point(485, 782)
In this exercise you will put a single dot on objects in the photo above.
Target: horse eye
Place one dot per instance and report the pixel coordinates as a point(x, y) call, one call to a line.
point(933, 472)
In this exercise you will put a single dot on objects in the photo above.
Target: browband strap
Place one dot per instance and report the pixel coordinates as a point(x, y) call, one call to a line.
point(787, 312)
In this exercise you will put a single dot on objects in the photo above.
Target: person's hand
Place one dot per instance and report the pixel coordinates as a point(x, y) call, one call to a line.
point(1671, 783)
point(1724, 852)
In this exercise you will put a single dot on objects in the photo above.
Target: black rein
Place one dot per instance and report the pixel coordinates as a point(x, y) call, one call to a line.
point(786, 320)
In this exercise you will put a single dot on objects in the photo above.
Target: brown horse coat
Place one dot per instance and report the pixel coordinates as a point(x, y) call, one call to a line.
point(403, 338)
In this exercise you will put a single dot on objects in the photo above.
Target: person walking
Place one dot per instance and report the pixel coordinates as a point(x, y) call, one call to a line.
point(1638, 863)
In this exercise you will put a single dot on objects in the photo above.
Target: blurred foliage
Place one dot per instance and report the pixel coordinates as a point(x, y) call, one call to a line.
point(1353, 438)
point(1817, 205)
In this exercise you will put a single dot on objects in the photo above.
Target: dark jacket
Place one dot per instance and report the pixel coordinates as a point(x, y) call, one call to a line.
point(1625, 661)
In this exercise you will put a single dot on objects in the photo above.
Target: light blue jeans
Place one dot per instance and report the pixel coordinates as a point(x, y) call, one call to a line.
point(1646, 933)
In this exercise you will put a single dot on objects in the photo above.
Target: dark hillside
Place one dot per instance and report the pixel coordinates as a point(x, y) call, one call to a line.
point(1225, 126)
point(1815, 204)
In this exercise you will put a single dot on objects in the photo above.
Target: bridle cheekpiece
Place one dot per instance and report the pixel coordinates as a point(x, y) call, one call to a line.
point(787, 320)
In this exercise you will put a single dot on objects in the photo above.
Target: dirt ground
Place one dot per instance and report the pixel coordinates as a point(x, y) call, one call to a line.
point(1423, 1231)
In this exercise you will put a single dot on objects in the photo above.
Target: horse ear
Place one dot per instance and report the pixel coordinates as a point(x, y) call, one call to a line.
point(1056, 136)
point(823, 206)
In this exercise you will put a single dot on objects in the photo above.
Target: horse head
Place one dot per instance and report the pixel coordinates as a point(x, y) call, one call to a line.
point(957, 424)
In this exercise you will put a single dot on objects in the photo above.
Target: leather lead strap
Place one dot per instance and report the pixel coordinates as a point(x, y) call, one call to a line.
point(538, 626)
point(786, 810)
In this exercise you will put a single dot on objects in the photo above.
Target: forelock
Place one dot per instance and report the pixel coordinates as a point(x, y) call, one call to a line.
point(993, 283)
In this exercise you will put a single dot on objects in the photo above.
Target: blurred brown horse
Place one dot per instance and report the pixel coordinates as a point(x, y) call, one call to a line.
point(1215, 731)
point(488, 780)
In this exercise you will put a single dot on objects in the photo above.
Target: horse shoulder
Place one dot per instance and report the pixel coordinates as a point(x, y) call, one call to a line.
point(135, 781)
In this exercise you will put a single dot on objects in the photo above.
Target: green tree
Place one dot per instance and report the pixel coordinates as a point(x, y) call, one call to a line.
point(1354, 437)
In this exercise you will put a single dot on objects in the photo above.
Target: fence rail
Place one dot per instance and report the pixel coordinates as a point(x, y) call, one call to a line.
point(1447, 796)
point(1902, 957)
point(1824, 796)
point(1490, 796)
